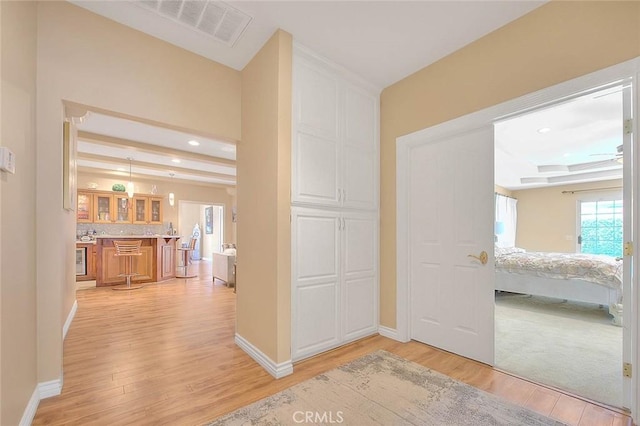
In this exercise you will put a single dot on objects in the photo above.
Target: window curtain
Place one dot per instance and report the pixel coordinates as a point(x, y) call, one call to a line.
point(506, 221)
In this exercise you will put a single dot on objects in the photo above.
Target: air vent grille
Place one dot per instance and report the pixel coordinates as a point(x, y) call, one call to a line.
point(213, 18)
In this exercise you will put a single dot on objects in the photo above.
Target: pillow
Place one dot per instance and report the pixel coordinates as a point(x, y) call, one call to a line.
point(508, 250)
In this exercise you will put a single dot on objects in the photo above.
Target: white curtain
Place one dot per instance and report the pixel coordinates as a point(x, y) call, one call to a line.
point(506, 221)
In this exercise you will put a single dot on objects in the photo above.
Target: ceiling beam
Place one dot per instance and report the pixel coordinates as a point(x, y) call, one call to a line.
point(153, 166)
point(148, 178)
point(152, 149)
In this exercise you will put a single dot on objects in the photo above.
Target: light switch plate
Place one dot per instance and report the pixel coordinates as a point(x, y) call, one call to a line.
point(7, 160)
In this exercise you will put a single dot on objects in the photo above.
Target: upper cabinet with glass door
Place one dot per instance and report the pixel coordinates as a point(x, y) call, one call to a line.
point(84, 214)
point(147, 210)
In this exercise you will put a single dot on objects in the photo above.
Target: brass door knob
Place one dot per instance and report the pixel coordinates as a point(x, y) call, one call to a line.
point(483, 258)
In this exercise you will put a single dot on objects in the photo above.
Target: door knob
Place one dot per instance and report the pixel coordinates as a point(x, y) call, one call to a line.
point(483, 258)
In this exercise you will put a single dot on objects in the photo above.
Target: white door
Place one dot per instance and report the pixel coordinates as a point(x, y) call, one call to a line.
point(315, 281)
point(450, 221)
point(359, 274)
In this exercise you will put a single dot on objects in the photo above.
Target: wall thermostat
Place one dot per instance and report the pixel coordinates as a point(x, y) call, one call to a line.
point(7, 160)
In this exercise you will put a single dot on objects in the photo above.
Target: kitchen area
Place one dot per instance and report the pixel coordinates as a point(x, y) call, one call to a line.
point(103, 217)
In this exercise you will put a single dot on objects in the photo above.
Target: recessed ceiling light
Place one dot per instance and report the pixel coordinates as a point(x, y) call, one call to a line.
point(544, 130)
point(175, 160)
point(194, 143)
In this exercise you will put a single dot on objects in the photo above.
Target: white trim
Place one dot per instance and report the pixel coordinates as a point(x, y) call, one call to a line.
point(30, 409)
point(67, 323)
point(50, 388)
point(276, 370)
point(391, 333)
point(487, 116)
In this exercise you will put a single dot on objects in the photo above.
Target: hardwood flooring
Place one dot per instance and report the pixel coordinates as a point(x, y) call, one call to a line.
point(165, 354)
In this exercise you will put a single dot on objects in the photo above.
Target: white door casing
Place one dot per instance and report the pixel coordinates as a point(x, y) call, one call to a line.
point(451, 220)
point(629, 188)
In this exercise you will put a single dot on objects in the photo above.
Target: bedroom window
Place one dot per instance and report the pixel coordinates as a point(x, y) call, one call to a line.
point(601, 227)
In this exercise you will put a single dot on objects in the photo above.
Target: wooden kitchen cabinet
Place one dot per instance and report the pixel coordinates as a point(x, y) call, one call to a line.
point(84, 212)
point(112, 208)
point(147, 210)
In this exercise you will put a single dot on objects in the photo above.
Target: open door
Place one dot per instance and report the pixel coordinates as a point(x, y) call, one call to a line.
point(450, 229)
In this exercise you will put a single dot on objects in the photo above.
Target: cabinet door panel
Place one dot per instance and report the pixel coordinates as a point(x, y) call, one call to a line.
point(360, 149)
point(359, 307)
point(316, 319)
point(315, 281)
point(315, 170)
point(360, 246)
point(316, 101)
point(359, 275)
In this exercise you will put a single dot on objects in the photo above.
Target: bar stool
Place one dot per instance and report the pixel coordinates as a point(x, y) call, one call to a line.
point(186, 259)
point(128, 249)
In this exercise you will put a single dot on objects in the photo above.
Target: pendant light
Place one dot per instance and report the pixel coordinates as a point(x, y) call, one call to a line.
point(130, 184)
point(172, 197)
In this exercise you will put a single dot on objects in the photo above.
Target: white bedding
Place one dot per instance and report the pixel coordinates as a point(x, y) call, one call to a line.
point(598, 269)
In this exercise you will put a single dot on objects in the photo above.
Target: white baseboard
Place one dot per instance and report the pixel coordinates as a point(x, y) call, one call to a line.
point(67, 323)
point(276, 370)
point(50, 388)
point(43, 390)
point(30, 410)
point(391, 333)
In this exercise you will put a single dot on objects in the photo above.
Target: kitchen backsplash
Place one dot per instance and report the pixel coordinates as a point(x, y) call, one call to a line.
point(119, 229)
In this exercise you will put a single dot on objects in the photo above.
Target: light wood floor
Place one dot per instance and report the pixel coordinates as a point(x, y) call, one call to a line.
point(165, 354)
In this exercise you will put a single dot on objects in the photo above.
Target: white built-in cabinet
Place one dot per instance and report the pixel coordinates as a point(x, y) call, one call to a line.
point(334, 214)
point(335, 131)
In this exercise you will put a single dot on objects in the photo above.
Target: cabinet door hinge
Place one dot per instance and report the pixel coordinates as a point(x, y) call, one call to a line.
point(628, 126)
point(627, 370)
point(628, 248)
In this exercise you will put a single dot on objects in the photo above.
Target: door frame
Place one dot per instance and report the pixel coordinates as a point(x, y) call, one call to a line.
point(551, 95)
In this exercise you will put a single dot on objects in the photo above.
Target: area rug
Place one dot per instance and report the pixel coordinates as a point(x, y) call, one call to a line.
point(569, 345)
point(383, 389)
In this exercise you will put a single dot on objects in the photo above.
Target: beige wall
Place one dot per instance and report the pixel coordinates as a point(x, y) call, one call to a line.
point(93, 61)
point(547, 218)
point(554, 43)
point(18, 333)
point(264, 179)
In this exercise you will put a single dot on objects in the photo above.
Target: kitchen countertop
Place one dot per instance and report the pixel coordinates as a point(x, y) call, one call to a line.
point(127, 236)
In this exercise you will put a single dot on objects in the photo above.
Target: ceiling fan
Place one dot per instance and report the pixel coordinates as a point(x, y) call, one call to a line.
point(616, 160)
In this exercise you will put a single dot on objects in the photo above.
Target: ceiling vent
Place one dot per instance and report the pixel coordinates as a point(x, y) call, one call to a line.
point(213, 18)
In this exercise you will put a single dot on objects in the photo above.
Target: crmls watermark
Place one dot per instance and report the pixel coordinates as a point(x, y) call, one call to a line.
point(325, 417)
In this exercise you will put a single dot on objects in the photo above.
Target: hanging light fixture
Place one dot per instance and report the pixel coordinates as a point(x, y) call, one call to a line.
point(172, 197)
point(130, 184)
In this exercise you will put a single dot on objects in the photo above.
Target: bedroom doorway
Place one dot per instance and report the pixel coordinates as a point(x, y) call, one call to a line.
point(411, 271)
point(561, 276)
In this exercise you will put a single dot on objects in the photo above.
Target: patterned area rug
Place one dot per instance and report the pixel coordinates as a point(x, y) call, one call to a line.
point(383, 389)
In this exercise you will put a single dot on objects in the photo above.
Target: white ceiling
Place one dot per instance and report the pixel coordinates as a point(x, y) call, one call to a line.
point(383, 42)
point(581, 142)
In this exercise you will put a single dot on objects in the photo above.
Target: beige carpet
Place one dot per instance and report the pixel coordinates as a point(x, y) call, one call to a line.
point(568, 345)
point(383, 389)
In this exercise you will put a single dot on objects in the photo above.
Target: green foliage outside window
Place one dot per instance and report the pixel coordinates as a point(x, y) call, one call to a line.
point(601, 227)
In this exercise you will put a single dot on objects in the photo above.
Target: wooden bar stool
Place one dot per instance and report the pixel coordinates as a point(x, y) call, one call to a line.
point(186, 260)
point(128, 249)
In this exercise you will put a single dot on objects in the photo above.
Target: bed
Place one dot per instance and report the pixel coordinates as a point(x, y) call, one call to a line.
point(578, 277)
